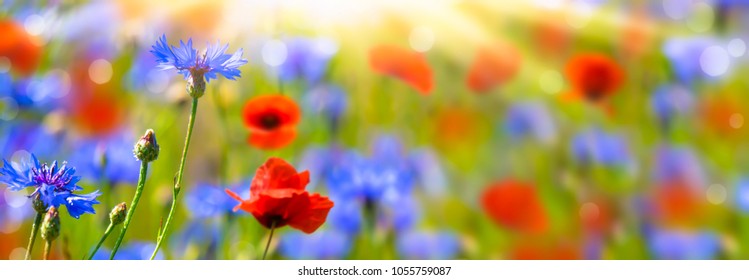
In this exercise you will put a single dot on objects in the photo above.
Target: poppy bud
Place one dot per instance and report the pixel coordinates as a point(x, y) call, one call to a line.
point(38, 204)
point(196, 85)
point(117, 216)
point(147, 149)
point(51, 225)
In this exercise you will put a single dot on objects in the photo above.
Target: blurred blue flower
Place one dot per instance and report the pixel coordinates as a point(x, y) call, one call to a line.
point(598, 147)
point(386, 170)
point(323, 244)
point(428, 171)
point(678, 163)
point(530, 120)
point(318, 160)
point(399, 212)
point(132, 250)
point(203, 233)
point(683, 245)
point(107, 158)
point(25, 136)
point(684, 54)
point(39, 92)
point(189, 63)
point(669, 101)
point(306, 59)
point(14, 209)
point(208, 201)
point(346, 216)
point(428, 245)
point(53, 185)
point(742, 195)
point(143, 76)
point(328, 100)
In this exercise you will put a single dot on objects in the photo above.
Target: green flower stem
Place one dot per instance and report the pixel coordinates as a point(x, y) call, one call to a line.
point(47, 247)
point(104, 237)
point(133, 206)
point(267, 245)
point(178, 181)
point(34, 231)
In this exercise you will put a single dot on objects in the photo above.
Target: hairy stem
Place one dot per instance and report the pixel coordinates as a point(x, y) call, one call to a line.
point(34, 231)
point(133, 206)
point(178, 181)
point(101, 241)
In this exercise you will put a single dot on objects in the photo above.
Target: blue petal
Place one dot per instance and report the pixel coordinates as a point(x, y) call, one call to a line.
point(80, 204)
point(18, 176)
point(428, 245)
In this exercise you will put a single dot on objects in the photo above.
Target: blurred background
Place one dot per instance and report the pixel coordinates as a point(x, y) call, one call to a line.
point(448, 129)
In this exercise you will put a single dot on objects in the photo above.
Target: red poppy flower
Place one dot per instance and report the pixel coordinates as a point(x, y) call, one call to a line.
point(97, 114)
point(272, 121)
point(678, 204)
point(493, 65)
point(535, 251)
point(277, 195)
point(515, 205)
point(19, 47)
point(551, 34)
point(407, 65)
point(723, 115)
point(594, 76)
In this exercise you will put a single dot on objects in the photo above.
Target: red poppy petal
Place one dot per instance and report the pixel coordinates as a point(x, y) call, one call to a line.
point(279, 106)
point(407, 65)
point(276, 139)
point(314, 216)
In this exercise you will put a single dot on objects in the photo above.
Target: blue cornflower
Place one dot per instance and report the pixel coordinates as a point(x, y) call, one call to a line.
point(428, 171)
point(684, 54)
point(530, 120)
point(683, 245)
point(198, 68)
point(21, 135)
point(678, 163)
point(107, 158)
point(598, 147)
point(428, 245)
point(323, 244)
point(328, 100)
point(400, 212)
point(386, 170)
point(306, 59)
point(742, 195)
point(346, 216)
point(209, 201)
point(53, 185)
point(671, 100)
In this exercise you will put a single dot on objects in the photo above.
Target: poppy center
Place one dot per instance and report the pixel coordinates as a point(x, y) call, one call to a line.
point(270, 121)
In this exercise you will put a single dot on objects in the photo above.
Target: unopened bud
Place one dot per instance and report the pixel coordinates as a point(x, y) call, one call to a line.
point(147, 149)
point(196, 85)
point(117, 216)
point(51, 225)
point(38, 204)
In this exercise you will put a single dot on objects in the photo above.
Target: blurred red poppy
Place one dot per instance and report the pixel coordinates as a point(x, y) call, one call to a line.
point(723, 115)
point(96, 114)
point(551, 34)
point(278, 198)
point(594, 76)
point(407, 65)
point(535, 251)
point(272, 121)
point(515, 205)
point(678, 204)
point(19, 47)
point(493, 66)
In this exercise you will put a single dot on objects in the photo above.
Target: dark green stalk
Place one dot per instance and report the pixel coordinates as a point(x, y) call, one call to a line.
point(178, 181)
